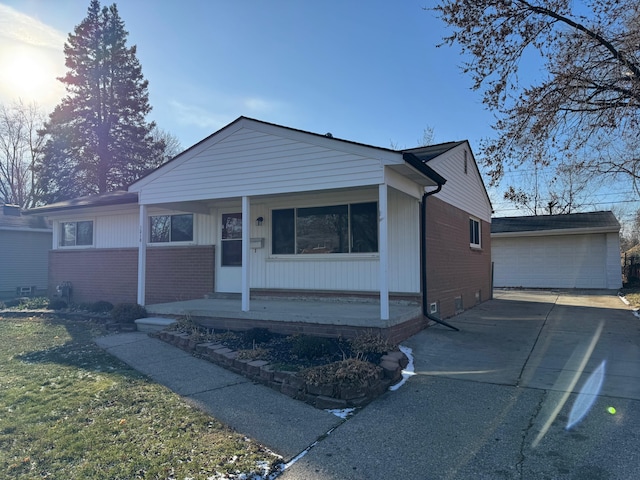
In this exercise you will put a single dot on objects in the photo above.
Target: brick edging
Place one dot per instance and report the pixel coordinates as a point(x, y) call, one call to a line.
point(320, 396)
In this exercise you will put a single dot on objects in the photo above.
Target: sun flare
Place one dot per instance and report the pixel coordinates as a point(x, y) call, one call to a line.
point(27, 74)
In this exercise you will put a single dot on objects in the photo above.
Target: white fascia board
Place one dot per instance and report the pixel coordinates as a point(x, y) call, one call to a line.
point(555, 232)
point(71, 213)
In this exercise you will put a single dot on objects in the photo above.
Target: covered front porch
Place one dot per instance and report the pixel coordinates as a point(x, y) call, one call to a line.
point(333, 317)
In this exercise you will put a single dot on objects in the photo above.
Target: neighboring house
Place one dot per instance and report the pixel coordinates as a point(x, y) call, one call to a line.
point(578, 250)
point(24, 249)
point(258, 207)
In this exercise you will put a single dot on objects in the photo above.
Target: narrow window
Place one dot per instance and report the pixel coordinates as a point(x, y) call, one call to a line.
point(231, 240)
point(74, 234)
point(474, 233)
point(171, 228)
point(283, 232)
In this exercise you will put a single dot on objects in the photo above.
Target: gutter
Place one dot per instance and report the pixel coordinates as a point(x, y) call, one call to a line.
point(423, 257)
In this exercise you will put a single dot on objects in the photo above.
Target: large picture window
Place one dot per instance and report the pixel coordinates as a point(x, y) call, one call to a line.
point(73, 234)
point(333, 229)
point(171, 228)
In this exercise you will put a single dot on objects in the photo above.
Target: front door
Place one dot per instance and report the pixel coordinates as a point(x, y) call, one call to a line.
point(229, 275)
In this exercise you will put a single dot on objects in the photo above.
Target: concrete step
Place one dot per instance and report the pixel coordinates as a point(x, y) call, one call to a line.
point(153, 324)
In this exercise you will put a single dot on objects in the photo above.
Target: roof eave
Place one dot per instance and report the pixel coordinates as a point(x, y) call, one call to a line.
point(556, 231)
point(423, 168)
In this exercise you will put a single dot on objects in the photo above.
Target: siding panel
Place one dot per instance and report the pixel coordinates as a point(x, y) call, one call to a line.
point(253, 163)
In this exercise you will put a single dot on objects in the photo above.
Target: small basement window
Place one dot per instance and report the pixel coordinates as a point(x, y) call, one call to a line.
point(171, 228)
point(76, 234)
point(474, 233)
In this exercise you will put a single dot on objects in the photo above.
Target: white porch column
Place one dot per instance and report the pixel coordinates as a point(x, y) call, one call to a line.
point(246, 235)
point(384, 251)
point(142, 254)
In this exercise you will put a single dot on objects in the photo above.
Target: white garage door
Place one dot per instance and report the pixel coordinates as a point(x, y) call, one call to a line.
point(573, 261)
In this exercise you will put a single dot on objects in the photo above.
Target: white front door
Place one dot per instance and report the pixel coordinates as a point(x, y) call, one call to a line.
point(229, 271)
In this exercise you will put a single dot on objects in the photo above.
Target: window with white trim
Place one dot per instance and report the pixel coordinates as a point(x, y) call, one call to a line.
point(171, 228)
point(349, 228)
point(474, 233)
point(76, 234)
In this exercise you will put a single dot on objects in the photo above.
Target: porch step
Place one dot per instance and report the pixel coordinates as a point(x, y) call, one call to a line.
point(153, 324)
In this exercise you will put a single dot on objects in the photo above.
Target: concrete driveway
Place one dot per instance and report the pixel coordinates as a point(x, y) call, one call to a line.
point(526, 390)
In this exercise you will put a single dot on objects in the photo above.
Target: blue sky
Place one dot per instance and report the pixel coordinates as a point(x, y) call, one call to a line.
point(369, 72)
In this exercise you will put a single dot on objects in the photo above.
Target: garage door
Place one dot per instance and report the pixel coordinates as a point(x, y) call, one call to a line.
point(572, 261)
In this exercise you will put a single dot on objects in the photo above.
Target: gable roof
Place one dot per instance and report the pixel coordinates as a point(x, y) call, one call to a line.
point(422, 167)
point(577, 222)
point(118, 197)
point(12, 218)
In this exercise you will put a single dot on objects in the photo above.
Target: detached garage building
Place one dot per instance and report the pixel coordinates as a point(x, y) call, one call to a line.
point(579, 250)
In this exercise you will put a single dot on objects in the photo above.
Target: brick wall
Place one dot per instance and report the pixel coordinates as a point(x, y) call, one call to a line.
point(453, 268)
point(173, 273)
point(179, 273)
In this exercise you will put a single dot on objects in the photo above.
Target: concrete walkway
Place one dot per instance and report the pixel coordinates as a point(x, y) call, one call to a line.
point(491, 401)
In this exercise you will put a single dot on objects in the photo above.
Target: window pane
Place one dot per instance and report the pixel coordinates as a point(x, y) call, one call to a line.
point(322, 230)
point(182, 228)
point(231, 226)
point(364, 227)
point(232, 253)
point(283, 232)
point(474, 232)
point(159, 228)
point(68, 234)
point(84, 233)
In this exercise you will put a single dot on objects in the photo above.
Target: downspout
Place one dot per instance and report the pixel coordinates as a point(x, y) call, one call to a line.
point(423, 258)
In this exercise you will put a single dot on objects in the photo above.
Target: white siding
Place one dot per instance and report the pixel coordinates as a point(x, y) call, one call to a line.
point(122, 231)
point(464, 191)
point(23, 260)
point(251, 162)
point(561, 261)
point(358, 272)
point(404, 243)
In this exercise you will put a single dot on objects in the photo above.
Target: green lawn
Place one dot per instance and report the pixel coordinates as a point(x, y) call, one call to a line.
point(68, 410)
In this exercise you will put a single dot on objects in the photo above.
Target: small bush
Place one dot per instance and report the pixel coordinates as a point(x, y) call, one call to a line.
point(371, 346)
point(101, 307)
point(309, 347)
point(128, 312)
point(56, 304)
point(31, 303)
point(344, 373)
point(257, 336)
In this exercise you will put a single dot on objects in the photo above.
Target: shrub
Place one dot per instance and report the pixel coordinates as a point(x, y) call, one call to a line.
point(348, 372)
point(56, 304)
point(257, 336)
point(309, 347)
point(32, 303)
point(101, 307)
point(371, 346)
point(128, 312)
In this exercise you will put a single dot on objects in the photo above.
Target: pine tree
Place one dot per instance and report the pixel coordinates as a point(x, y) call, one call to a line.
point(97, 138)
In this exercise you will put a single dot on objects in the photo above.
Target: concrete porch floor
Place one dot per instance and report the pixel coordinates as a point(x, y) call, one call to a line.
point(335, 311)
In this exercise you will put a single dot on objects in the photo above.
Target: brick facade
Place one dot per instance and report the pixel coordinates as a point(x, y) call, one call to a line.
point(173, 273)
point(454, 269)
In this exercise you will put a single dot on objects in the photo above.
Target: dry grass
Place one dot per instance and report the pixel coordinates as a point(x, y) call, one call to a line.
point(70, 410)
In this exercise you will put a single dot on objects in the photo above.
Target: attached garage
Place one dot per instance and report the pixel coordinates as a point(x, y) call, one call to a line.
point(580, 250)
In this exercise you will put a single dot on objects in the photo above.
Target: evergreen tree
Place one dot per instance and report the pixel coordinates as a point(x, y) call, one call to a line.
point(97, 137)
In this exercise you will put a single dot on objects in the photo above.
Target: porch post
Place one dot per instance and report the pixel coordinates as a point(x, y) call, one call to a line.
point(384, 253)
point(245, 252)
point(142, 254)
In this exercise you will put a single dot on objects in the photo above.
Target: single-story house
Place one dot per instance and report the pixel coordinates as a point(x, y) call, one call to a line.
point(262, 209)
point(578, 250)
point(24, 249)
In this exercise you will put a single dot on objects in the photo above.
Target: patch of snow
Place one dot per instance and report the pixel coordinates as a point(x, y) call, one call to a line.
point(341, 412)
point(407, 372)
